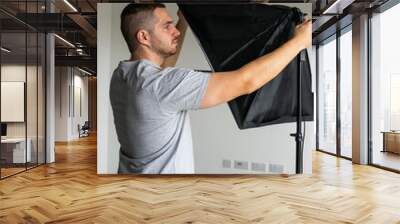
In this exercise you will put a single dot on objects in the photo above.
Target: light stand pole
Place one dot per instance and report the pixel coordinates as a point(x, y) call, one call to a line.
point(299, 135)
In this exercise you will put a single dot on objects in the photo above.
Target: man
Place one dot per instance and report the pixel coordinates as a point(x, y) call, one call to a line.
point(150, 98)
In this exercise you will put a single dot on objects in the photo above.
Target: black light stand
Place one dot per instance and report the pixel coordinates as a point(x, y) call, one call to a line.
point(299, 135)
point(301, 58)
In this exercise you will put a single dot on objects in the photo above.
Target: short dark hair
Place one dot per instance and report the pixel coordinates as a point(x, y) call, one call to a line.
point(134, 17)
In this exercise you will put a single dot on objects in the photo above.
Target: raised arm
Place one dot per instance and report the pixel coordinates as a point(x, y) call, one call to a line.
point(225, 86)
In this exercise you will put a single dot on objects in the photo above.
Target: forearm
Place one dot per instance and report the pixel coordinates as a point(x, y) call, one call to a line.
point(182, 27)
point(225, 86)
point(260, 71)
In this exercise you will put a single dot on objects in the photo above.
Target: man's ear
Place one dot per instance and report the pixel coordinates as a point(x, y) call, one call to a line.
point(143, 37)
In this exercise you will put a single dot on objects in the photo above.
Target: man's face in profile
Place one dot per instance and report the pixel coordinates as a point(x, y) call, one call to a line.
point(164, 36)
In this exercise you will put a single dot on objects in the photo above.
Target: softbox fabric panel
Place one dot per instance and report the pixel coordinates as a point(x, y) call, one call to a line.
point(232, 35)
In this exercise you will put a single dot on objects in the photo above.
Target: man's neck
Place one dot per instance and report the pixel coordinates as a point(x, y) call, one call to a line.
point(156, 59)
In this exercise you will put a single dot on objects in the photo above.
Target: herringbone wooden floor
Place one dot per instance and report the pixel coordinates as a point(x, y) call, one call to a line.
point(70, 191)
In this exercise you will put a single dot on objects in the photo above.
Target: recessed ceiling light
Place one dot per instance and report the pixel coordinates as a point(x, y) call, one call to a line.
point(5, 50)
point(64, 40)
point(84, 71)
point(337, 7)
point(70, 5)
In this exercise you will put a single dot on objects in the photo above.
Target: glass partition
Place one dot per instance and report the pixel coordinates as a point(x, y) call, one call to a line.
point(327, 96)
point(14, 153)
point(346, 93)
point(22, 79)
point(32, 95)
point(385, 89)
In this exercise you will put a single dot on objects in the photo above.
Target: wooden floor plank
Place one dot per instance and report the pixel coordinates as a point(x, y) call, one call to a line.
point(70, 191)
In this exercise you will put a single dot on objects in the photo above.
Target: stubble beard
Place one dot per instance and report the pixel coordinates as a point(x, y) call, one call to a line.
point(165, 53)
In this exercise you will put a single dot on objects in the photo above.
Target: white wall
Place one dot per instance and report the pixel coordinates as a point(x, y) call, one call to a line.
point(69, 82)
point(61, 104)
point(215, 133)
point(18, 73)
point(108, 35)
point(81, 104)
point(33, 125)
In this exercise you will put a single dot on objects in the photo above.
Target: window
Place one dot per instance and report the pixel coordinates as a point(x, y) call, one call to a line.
point(327, 96)
point(385, 89)
point(346, 93)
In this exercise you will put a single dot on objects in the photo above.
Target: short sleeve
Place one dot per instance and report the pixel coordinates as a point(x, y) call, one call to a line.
point(178, 89)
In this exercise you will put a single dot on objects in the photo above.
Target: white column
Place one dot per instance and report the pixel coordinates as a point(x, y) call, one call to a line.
point(360, 90)
point(50, 99)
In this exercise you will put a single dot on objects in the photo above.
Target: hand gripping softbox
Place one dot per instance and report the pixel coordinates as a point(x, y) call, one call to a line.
point(232, 35)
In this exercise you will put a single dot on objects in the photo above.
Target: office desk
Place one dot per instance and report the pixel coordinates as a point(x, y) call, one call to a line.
point(13, 150)
point(391, 141)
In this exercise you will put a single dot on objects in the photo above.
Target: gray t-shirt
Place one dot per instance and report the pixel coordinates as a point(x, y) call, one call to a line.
point(150, 106)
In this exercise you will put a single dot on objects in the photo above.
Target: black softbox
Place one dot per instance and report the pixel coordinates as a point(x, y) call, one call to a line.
point(231, 35)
